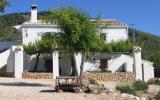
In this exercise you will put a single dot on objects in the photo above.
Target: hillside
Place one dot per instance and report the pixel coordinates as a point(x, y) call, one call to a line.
point(7, 32)
point(151, 43)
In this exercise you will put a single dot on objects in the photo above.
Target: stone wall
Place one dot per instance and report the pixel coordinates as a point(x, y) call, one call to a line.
point(34, 75)
point(117, 76)
point(6, 74)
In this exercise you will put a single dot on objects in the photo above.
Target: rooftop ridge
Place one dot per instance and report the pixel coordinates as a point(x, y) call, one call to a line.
point(104, 22)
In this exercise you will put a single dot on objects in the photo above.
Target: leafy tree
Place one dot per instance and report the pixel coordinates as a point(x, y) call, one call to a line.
point(46, 45)
point(156, 60)
point(122, 46)
point(3, 4)
point(77, 33)
point(151, 46)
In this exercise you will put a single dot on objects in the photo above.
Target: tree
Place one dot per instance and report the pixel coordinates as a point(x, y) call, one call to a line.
point(121, 46)
point(155, 58)
point(3, 4)
point(77, 33)
point(46, 45)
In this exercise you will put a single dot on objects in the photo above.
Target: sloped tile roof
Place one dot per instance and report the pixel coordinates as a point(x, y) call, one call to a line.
point(108, 22)
point(102, 22)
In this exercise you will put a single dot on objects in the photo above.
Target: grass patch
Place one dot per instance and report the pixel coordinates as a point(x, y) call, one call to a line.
point(133, 88)
point(126, 89)
point(140, 85)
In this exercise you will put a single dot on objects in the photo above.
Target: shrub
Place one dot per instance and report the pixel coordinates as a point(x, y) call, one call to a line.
point(94, 87)
point(140, 85)
point(93, 81)
point(104, 70)
point(156, 70)
point(85, 89)
point(157, 82)
point(122, 46)
point(100, 88)
point(126, 89)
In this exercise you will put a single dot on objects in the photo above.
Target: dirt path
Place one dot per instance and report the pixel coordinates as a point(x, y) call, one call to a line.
point(21, 89)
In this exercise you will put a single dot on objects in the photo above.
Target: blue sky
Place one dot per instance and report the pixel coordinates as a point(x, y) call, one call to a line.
point(145, 14)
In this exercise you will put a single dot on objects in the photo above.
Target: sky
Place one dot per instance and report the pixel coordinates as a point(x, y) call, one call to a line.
point(144, 14)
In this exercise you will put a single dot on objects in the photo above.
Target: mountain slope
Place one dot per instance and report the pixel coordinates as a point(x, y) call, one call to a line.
point(7, 32)
point(150, 45)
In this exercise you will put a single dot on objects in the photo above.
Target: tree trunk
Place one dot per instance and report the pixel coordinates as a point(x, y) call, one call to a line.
point(82, 66)
point(74, 66)
point(37, 61)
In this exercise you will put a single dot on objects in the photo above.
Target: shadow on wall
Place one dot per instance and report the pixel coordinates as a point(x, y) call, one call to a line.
point(122, 68)
point(44, 64)
point(3, 69)
point(93, 63)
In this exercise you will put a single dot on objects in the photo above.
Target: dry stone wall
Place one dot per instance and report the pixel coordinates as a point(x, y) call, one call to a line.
point(117, 76)
point(6, 74)
point(33, 75)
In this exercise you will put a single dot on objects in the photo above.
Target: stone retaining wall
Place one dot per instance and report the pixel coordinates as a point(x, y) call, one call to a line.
point(34, 75)
point(118, 76)
point(6, 74)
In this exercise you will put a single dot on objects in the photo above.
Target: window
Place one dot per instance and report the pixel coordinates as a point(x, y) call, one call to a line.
point(26, 34)
point(103, 36)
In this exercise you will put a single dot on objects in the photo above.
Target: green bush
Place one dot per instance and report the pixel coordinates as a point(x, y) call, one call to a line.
point(93, 81)
point(126, 89)
point(122, 46)
point(140, 85)
point(157, 82)
point(104, 70)
point(85, 89)
point(100, 88)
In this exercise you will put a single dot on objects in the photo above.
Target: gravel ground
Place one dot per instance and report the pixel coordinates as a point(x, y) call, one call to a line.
point(22, 89)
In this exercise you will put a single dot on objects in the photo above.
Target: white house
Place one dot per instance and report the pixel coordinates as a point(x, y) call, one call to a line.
point(113, 31)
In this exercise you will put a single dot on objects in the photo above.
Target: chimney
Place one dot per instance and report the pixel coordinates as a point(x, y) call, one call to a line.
point(34, 13)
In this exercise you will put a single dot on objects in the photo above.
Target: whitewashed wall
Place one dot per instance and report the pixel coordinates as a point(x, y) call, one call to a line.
point(118, 60)
point(55, 56)
point(114, 63)
point(78, 57)
point(115, 34)
point(129, 64)
point(15, 61)
point(33, 33)
point(148, 70)
point(11, 59)
point(18, 62)
point(4, 58)
point(91, 65)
